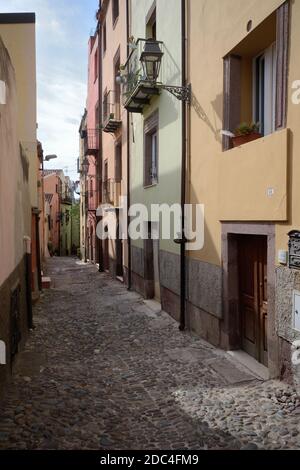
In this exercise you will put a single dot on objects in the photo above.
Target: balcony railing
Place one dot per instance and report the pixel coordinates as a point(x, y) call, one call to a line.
point(91, 200)
point(136, 89)
point(67, 200)
point(112, 192)
point(91, 141)
point(111, 112)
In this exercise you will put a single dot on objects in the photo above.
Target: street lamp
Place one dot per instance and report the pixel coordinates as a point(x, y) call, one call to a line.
point(85, 166)
point(50, 157)
point(151, 60)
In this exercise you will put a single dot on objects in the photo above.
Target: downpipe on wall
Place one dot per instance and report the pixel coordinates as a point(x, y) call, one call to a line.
point(182, 324)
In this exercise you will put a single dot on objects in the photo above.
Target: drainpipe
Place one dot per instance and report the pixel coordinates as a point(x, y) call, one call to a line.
point(99, 166)
point(183, 172)
point(128, 163)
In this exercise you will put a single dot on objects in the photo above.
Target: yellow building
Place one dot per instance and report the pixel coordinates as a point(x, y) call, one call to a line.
point(243, 63)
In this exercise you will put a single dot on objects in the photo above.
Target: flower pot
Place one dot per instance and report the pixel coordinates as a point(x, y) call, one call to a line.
point(239, 140)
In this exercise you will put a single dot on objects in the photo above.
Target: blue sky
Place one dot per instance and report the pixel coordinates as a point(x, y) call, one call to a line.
point(62, 33)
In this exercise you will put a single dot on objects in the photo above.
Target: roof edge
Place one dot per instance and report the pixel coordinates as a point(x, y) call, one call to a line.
point(17, 18)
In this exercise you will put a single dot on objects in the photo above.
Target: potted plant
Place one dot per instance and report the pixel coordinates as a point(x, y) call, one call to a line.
point(245, 133)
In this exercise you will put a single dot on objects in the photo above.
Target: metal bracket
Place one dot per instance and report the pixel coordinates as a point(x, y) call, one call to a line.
point(180, 92)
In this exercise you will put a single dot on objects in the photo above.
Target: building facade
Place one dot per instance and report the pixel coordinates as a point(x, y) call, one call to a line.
point(66, 217)
point(19, 213)
point(91, 142)
point(53, 193)
point(112, 17)
point(241, 290)
point(211, 120)
point(83, 188)
point(155, 142)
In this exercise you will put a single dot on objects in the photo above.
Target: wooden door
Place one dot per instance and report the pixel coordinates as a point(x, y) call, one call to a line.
point(252, 260)
point(106, 255)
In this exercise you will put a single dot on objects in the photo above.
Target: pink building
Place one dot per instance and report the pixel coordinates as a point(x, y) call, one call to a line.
point(91, 150)
point(52, 189)
point(113, 29)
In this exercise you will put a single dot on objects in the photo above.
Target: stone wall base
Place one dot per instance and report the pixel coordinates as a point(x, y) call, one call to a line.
point(17, 280)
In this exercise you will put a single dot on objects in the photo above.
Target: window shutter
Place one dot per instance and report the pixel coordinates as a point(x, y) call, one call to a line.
point(232, 96)
point(282, 50)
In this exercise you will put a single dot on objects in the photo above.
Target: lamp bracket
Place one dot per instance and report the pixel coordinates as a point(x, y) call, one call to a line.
point(182, 93)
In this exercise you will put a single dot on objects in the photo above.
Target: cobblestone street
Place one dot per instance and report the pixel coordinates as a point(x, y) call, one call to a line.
point(104, 370)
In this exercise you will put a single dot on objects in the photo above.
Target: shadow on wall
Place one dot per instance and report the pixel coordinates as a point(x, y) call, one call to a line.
point(171, 69)
point(217, 105)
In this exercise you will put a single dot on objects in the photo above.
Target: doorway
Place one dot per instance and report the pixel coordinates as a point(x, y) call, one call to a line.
point(252, 252)
point(156, 276)
point(119, 253)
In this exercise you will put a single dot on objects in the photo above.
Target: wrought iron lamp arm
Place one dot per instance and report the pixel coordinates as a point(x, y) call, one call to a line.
point(182, 93)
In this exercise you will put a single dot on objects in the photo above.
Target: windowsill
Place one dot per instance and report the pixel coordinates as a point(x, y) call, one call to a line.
point(150, 185)
point(116, 22)
point(253, 140)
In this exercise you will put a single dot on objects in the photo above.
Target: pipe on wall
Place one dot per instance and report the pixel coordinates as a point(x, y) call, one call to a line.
point(129, 281)
point(183, 174)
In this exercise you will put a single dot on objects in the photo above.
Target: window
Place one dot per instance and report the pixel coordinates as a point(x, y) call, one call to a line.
point(117, 85)
point(118, 162)
point(97, 115)
point(264, 90)
point(151, 23)
point(105, 181)
point(104, 37)
point(115, 11)
point(255, 77)
point(151, 151)
point(105, 105)
point(96, 62)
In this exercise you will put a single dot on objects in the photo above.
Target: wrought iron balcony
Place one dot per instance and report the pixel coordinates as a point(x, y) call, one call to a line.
point(137, 89)
point(91, 141)
point(91, 200)
point(111, 112)
point(67, 199)
point(112, 192)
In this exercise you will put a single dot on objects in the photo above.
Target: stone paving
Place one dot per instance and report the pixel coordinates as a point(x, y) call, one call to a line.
point(105, 370)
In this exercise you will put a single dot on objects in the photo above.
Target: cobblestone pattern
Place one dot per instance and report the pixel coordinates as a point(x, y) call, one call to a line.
point(103, 370)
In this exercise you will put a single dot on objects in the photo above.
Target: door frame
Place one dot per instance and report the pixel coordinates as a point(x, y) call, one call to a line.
point(230, 326)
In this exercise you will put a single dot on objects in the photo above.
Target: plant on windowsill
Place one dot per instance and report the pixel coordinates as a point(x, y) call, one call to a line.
point(245, 133)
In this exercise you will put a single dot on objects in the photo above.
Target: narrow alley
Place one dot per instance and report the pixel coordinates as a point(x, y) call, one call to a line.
point(104, 370)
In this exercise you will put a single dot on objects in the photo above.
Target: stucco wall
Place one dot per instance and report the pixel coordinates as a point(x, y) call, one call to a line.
point(116, 43)
point(15, 211)
point(19, 39)
point(216, 27)
point(169, 160)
